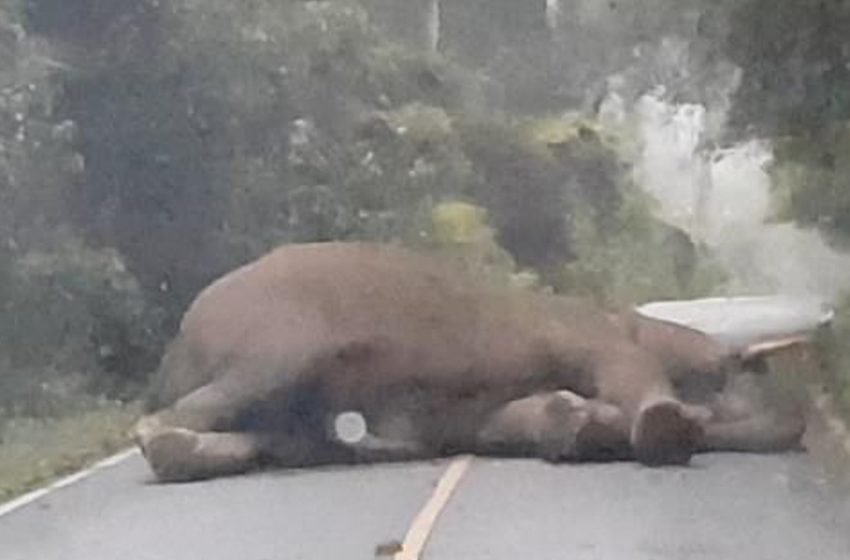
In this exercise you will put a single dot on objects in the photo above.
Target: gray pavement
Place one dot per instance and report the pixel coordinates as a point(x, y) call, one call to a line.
point(335, 514)
point(725, 507)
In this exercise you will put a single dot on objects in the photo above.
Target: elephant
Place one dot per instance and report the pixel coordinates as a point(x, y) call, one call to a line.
point(271, 357)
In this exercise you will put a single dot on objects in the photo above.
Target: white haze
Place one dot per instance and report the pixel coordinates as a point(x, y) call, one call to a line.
point(722, 198)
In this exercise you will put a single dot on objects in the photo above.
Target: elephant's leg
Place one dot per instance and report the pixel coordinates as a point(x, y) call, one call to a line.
point(605, 437)
point(214, 406)
point(179, 454)
point(619, 372)
point(556, 426)
point(757, 415)
point(661, 429)
point(742, 426)
point(761, 433)
point(746, 420)
point(195, 437)
point(543, 425)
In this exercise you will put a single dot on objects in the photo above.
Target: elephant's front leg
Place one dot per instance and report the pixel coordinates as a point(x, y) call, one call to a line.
point(557, 426)
point(751, 415)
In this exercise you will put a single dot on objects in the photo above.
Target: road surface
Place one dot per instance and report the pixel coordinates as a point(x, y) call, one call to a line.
point(723, 507)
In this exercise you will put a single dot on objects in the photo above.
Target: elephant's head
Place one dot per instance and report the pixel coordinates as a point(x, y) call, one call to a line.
point(705, 341)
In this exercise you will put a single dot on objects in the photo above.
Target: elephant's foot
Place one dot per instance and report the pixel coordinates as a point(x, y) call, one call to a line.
point(565, 418)
point(180, 455)
point(171, 454)
point(605, 436)
point(665, 433)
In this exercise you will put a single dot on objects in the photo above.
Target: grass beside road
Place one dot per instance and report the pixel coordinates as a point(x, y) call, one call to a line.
point(36, 451)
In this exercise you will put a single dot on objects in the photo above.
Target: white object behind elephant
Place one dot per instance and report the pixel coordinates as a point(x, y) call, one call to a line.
point(746, 322)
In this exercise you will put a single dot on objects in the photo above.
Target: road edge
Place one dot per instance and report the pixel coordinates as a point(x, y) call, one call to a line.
point(34, 495)
point(827, 436)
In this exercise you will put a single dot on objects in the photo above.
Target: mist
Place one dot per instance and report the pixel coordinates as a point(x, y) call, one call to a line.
point(722, 197)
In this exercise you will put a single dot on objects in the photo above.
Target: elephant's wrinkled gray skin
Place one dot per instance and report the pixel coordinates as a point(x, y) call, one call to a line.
point(269, 355)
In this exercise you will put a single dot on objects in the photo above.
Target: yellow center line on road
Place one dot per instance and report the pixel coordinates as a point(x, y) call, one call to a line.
point(423, 526)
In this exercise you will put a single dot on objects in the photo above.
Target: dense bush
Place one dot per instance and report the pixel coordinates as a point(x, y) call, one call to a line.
point(637, 259)
point(810, 181)
point(795, 59)
point(73, 321)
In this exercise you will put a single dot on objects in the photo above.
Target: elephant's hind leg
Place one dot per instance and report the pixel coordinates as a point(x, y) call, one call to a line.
point(198, 436)
point(179, 454)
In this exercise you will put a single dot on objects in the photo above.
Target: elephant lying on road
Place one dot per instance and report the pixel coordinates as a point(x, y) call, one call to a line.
point(270, 356)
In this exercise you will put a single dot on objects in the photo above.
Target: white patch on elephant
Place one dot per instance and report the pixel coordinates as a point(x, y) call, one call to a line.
point(350, 427)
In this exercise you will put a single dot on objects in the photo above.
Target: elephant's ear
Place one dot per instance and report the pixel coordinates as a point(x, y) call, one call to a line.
point(754, 356)
point(766, 347)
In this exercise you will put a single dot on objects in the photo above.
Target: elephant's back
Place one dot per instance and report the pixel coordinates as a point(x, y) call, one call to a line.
point(303, 303)
point(331, 290)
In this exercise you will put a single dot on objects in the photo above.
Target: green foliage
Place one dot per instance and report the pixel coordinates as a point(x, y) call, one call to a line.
point(187, 113)
point(37, 162)
point(462, 231)
point(810, 175)
point(72, 319)
point(834, 346)
point(795, 59)
point(523, 186)
point(634, 258)
point(795, 87)
point(161, 122)
point(35, 451)
point(833, 352)
point(70, 316)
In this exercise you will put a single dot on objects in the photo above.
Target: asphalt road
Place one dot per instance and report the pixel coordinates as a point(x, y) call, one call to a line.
point(724, 507)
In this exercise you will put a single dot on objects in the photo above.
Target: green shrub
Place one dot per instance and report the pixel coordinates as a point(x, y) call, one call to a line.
point(809, 175)
point(636, 259)
point(73, 321)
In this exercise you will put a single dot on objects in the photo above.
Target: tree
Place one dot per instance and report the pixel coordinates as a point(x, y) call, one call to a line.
point(796, 61)
point(795, 87)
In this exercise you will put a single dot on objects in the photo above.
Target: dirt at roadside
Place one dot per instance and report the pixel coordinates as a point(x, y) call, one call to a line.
point(798, 373)
point(827, 438)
